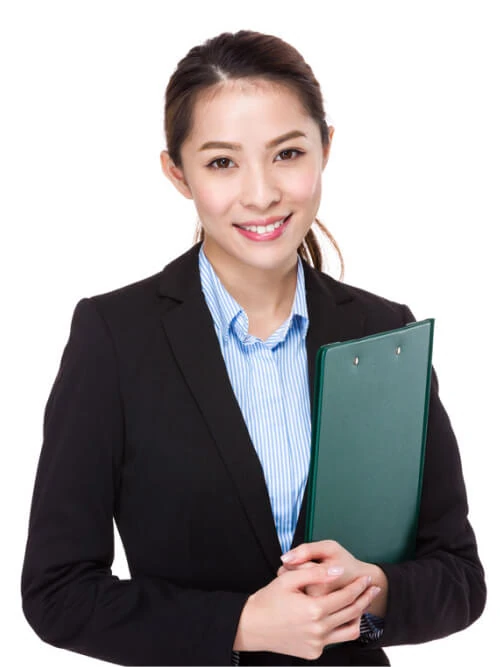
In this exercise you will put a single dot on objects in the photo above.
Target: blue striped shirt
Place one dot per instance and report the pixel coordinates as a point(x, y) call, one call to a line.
point(270, 381)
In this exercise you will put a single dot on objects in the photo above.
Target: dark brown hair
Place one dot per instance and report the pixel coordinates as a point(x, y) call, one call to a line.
point(235, 56)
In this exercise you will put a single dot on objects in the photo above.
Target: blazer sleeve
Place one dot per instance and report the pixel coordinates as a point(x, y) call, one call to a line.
point(442, 590)
point(70, 596)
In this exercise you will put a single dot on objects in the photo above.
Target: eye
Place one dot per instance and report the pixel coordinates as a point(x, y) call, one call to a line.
point(221, 163)
point(289, 154)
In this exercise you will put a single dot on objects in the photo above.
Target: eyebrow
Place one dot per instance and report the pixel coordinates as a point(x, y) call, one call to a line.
point(294, 134)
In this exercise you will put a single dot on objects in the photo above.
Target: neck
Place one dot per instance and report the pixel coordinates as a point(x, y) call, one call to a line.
point(262, 293)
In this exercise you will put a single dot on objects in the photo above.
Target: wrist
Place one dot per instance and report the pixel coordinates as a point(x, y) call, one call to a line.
point(244, 639)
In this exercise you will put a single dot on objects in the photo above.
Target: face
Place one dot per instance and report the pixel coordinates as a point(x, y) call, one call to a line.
point(252, 164)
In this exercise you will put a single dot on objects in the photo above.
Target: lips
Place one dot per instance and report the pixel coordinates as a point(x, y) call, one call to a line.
point(273, 229)
point(265, 226)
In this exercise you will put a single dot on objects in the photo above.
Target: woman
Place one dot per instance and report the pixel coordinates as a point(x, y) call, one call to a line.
point(182, 410)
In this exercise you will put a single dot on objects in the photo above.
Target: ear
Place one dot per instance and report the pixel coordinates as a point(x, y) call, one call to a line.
point(175, 175)
point(326, 149)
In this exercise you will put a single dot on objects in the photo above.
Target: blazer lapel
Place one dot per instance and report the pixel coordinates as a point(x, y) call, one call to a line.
point(191, 334)
point(334, 315)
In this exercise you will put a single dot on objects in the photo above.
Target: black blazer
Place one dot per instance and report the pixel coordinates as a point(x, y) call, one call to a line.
point(142, 425)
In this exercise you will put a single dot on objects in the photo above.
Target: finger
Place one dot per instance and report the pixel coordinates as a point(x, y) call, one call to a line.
point(301, 578)
point(334, 584)
point(356, 609)
point(311, 551)
point(347, 596)
point(292, 566)
point(345, 633)
point(318, 590)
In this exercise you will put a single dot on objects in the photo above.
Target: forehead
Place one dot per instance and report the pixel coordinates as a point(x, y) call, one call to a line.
point(253, 108)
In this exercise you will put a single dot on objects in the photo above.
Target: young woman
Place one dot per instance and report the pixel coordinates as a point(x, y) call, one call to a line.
point(182, 410)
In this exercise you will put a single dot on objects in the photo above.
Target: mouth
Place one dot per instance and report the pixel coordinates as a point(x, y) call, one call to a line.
point(269, 228)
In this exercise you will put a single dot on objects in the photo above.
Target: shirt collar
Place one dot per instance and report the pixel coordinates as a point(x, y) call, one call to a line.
point(225, 310)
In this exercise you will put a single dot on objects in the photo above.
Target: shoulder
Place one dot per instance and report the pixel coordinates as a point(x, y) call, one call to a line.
point(131, 312)
point(377, 310)
point(157, 291)
point(125, 315)
point(131, 298)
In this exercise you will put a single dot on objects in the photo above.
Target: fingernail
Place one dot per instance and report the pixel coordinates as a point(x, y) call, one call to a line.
point(368, 580)
point(287, 558)
point(375, 590)
point(335, 571)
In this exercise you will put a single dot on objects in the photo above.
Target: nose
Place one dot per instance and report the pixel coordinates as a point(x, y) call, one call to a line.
point(258, 189)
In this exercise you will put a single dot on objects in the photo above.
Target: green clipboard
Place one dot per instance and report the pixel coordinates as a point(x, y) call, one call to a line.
point(369, 428)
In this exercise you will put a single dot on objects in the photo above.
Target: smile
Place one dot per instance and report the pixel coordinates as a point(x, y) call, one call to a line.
point(263, 229)
point(268, 232)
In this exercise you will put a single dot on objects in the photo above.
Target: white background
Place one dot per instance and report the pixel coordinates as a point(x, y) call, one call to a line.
point(411, 195)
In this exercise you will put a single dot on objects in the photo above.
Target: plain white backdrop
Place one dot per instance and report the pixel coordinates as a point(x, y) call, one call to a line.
point(411, 194)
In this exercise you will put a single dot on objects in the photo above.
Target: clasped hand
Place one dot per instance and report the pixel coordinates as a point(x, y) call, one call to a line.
point(317, 599)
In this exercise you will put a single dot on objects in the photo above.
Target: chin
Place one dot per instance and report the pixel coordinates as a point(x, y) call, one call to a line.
point(269, 261)
point(253, 255)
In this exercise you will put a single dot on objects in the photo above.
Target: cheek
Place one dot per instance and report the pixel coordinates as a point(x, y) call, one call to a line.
point(213, 198)
point(305, 187)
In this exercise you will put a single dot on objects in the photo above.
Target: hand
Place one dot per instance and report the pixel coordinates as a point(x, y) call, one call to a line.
point(333, 556)
point(282, 618)
point(329, 554)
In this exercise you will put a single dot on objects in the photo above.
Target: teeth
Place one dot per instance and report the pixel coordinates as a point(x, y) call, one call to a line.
point(263, 229)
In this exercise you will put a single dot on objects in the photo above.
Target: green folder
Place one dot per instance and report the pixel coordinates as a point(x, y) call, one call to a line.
point(369, 427)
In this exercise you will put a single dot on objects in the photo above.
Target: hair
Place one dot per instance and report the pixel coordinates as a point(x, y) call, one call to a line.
point(244, 54)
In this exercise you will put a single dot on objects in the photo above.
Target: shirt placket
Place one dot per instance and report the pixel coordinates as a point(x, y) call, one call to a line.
point(269, 435)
